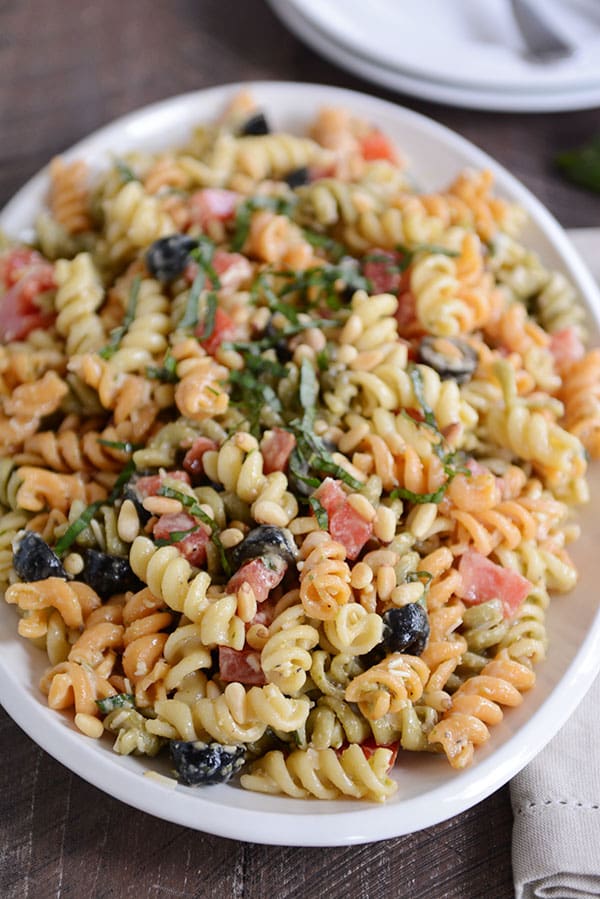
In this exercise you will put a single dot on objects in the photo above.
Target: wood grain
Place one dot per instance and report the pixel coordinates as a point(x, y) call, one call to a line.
point(67, 67)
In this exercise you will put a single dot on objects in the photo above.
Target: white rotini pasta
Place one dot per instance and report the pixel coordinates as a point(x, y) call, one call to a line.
point(289, 451)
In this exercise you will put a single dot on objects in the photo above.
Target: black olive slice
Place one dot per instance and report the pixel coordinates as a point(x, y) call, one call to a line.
point(34, 560)
point(167, 257)
point(255, 126)
point(406, 629)
point(107, 574)
point(451, 357)
point(199, 763)
point(265, 540)
point(297, 177)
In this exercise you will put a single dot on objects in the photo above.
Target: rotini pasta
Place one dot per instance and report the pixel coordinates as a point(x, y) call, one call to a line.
point(288, 455)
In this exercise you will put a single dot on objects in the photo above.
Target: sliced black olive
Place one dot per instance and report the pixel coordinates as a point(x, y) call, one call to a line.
point(282, 350)
point(34, 560)
point(406, 629)
point(130, 491)
point(107, 574)
point(451, 357)
point(205, 763)
point(265, 540)
point(167, 258)
point(257, 124)
point(297, 177)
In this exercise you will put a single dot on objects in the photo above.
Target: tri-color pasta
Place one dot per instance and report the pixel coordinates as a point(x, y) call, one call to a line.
point(289, 452)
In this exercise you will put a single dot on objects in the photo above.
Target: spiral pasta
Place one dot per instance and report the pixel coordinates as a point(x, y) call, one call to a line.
point(288, 454)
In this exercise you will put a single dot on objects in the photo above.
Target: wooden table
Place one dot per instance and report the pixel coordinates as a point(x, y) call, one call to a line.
point(67, 67)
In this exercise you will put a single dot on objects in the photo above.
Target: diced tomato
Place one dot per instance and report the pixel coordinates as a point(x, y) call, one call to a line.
point(261, 577)
point(233, 269)
point(193, 546)
point(331, 496)
point(25, 275)
point(240, 666)
point(224, 329)
point(212, 204)
point(265, 613)
point(406, 313)
point(20, 261)
point(172, 523)
point(375, 145)
point(382, 269)
point(370, 746)
point(151, 484)
point(483, 580)
point(566, 346)
point(192, 461)
point(346, 526)
point(276, 449)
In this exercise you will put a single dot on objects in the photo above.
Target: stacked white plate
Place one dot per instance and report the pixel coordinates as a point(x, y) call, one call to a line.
point(461, 52)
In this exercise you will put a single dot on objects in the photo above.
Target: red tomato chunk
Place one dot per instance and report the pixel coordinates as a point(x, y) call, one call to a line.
point(193, 546)
point(192, 461)
point(276, 449)
point(240, 666)
point(212, 204)
point(150, 485)
point(375, 145)
point(345, 524)
point(382, 270)
point(483, 580)
point(261, 577)
point(224, 329)
point(25, 275)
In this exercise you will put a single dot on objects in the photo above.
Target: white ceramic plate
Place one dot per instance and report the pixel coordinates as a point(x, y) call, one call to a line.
point(465, 42)
point(446, 91)
point(429, 790)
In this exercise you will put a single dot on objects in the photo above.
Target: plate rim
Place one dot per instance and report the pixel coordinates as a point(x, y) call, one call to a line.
point(357, 823)
point(427, 89)
point(314, 12)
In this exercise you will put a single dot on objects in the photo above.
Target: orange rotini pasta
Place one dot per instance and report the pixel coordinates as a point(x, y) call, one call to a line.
point(288, 455)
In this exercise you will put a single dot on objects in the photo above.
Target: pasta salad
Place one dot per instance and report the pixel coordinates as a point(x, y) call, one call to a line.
point(289, 454)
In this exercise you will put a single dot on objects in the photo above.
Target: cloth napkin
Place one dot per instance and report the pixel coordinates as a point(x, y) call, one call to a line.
point(556, 805)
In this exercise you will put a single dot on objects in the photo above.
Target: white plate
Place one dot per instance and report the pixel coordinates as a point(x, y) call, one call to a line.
point(428, 89)
point(465, 42)
point(430, 791)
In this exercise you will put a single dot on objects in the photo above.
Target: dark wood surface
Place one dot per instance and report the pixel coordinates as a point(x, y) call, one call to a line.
point(67, 67)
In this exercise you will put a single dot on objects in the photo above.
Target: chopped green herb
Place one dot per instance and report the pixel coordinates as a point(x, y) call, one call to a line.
point(81, 523)
point(582, 166)
point(197, 511)
point(167, 372)
point(308, 393)
point(119, 701)
point(125, 171)
point(320, 513)
point(322, 241)
point(413, 576)
point(419, 388)
point(208, 325)
point(268, 343)
point(117, 334)
point(435, 497)
point(311, 454)
point(176, 536)
point(323, 360)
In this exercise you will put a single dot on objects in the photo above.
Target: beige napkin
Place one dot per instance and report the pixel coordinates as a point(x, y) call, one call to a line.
point(556, 804)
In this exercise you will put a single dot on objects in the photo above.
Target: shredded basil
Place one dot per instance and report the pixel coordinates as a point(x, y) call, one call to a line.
point(125, 171)
point(176, 536)
point(414, 576)
point(320, 513)
point(117, 334)
point(167, 372)
point(81, 523)
point(419, 389)
point(322, 241)
point(119, 701)
point(208, 325)
point(435, 497)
